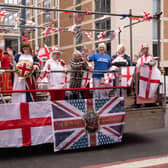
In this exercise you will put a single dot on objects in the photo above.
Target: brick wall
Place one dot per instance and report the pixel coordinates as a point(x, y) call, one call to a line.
point(165, 51)
point(165, 10)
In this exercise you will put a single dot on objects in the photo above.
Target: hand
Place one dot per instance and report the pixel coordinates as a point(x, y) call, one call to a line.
point(10, 52)
point(49, 67)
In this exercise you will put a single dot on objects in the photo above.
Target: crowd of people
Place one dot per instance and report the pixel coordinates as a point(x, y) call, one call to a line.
point(80, 61)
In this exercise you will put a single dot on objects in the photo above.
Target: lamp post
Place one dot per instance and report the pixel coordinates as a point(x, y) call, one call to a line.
point(23, 20)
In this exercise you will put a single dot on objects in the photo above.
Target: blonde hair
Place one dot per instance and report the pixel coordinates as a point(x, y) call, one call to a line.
point(102, 45)
point(120, 46)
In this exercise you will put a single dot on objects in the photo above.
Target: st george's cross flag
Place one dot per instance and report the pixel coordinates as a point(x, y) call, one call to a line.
point(25, 124)
point(127, 74)
point(149, 81)
point(84, 123)
point(86, 79)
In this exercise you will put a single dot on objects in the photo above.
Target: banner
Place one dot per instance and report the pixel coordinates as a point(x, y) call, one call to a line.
point(74, 124)
point(25, 124)
point(84, 123)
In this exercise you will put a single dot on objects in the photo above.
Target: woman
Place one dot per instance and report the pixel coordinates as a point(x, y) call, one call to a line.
point(102, 61)
point(120, 59)
point(77, 64)
point(55, 79)
point(25, 82)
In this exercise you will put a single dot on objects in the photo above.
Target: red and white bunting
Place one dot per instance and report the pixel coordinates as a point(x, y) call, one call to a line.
point(3, 14)
point(30, 23)
point(16, 20)
point(25, 39)
point(101, 35)
point(149, 81)
point(89, 35)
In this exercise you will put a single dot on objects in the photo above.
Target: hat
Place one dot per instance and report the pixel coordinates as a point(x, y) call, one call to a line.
point(144, 45)
point(77, 52)
point(55, 50)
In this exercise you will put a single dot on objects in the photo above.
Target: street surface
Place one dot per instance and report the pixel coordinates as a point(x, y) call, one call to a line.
point(134, 146)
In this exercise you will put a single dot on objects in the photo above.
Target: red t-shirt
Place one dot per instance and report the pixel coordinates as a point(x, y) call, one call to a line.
point(5, 62)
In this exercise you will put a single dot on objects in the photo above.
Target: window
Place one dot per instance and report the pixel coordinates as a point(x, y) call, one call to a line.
point(46, 17)
point(33, 45)
point(77, 2)
point(47, 41)
point(46, 14)
point(39, 32)
point(11, 1)
point(155, 49)
point(39, 43)
point(56, 12)
point(9, 19)
point(102, 6)
point(38, 11)
point(46, 4)
point(27, 14)
point(39, 19)
point(56, 39)
point(103, 24)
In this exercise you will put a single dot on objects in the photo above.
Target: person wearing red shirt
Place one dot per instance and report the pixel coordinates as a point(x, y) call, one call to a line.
point(5, 77)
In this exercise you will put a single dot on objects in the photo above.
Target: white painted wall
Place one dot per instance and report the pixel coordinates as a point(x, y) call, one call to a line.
point(141, 32)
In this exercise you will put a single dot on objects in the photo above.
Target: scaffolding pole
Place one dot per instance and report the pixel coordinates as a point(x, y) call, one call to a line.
point(73, 11)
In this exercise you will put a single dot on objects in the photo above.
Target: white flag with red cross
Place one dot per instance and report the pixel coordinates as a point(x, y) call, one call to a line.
point(43, 53)
point(86, 79)
point(66, 82)
point(25, 124)
point(149, 81)
point(109, 77)
point(127, 74)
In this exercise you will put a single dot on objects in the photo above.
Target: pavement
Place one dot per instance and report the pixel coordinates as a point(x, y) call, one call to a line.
point(134, 146)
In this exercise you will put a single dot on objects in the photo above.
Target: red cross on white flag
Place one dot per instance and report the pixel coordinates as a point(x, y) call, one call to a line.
point(127, 76)
point(86, 79)
point(25, 124)
point(149, 81)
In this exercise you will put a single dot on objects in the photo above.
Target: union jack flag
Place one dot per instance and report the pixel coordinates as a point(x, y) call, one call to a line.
point(87, 122)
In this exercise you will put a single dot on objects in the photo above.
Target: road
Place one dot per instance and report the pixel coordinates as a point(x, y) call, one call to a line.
point(151, 143)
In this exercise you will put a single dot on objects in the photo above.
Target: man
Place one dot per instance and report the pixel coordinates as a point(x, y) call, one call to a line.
point(77, 64)
point(102, 62)
point(147, 77)
point(145, 57)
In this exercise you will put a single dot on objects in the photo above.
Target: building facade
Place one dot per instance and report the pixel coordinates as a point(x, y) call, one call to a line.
point(68, 41)
point(11, 37)
point(164, 34)
point(141, 32)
